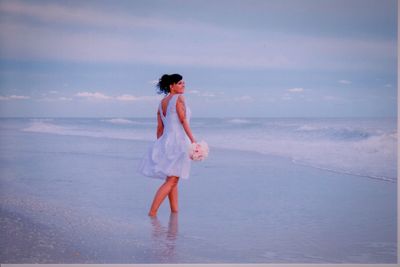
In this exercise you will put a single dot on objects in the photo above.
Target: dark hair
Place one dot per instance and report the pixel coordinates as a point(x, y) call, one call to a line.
point(166, 80)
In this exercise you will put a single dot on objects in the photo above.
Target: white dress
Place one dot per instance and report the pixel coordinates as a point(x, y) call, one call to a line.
point(168, 155)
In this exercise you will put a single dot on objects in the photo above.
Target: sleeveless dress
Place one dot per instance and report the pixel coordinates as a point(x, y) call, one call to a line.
point(168, 155)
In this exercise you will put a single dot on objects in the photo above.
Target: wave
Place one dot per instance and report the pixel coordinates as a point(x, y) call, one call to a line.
point(50, 128)
point(368, 150)
point(42, 120)
point(375, 177)
point(337, 133)
point(120, 121)
point(41, 126)
point(369, 155)
point(239, 121)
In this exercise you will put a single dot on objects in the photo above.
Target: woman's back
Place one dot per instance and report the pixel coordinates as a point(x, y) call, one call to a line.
point(169, 115)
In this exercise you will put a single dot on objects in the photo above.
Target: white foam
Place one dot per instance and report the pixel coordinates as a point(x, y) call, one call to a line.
point(120, 121)
point(239, 121)
point(42, 127)
point(373, 156)
point(368, 150)
point(309, 128)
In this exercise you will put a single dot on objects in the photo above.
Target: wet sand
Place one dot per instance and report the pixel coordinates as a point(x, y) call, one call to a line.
point(66, 202)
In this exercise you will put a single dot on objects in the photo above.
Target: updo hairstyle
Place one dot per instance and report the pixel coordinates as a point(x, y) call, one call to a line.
point(166, 80)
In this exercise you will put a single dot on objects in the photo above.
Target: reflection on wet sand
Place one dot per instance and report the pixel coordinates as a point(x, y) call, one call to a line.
point(164, 239)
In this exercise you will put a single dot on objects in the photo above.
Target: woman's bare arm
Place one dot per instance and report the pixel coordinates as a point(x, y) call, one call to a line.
point(181, 110)
point(160, 125)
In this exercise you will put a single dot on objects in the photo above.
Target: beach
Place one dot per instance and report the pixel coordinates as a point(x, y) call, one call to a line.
point(77, 198)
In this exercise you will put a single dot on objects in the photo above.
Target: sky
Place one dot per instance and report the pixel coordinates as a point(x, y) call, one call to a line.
point(253, 58)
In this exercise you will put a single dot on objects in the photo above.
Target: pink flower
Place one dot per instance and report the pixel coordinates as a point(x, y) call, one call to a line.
point(198, 151)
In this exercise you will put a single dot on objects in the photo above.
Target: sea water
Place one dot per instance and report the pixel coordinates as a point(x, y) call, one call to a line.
point(271, 191)
point(358, 146)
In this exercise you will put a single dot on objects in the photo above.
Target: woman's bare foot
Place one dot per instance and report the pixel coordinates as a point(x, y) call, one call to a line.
point(152, 214)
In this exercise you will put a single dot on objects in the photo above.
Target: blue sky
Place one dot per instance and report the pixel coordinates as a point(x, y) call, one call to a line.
point(263, 58)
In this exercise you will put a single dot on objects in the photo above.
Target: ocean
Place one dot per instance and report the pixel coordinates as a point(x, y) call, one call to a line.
point(273, 190)
point(364, 147)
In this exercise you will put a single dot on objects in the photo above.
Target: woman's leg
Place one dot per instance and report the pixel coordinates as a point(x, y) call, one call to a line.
point(162, 192)
point(173, 199)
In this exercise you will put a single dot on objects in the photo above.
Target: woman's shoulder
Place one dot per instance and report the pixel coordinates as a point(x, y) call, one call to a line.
point(180, 99)
point(180, 96)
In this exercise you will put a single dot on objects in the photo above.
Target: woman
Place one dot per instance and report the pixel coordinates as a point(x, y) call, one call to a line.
point(168, 157)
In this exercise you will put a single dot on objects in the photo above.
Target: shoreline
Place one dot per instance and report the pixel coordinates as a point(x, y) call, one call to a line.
point(47, 130)
point(236, 207)
point(146, 143)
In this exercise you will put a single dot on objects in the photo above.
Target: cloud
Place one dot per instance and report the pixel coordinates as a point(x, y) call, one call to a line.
point(331, 98)
point(207, 94)
point(19, 97)
point(293, 93)
point(344, 82)
point(286, 97)
point(296, 90)
point(80, 34)
point(14, 97)
point(127, 97)
point(199, 93)
point(124, 97)
point(62, 98)
point(77, 15)
point(388, 85)
point(93, 96)
point(244, 98)
point(53, 99)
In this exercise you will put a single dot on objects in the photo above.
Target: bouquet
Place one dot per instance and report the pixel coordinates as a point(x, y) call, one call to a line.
point(198, 151)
